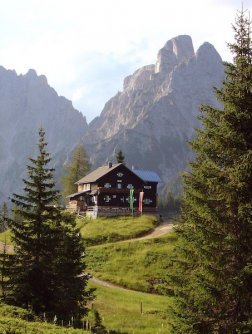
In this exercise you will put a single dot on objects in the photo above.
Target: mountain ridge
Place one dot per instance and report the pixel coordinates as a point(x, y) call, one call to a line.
point(27, 103)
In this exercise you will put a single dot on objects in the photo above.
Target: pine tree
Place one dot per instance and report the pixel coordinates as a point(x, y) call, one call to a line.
point(98, 327)
point(120, 157)
point(36, 231)
point(47, 251)
point(75, 170)
point(212, 269)
point(4, 218)
point(71, 293)
point(6, 269)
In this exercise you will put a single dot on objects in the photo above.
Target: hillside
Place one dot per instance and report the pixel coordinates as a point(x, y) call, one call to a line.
point(143, 266)
point(15, 320)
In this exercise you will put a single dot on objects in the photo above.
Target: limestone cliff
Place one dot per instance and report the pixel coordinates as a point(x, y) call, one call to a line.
point(154, 116)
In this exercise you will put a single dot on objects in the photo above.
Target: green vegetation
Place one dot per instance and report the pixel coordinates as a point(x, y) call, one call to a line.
point(14, 320)
point(45, 273)
point(103, 230)
point(120, 157)
point(138, 265)
point(212, 270)
point(6, 237)
point(121, 310)
point(75, 170)
point(4, 217)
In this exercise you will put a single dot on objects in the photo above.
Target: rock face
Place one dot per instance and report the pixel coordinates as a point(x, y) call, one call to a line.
point(27, 102)
point(154, 116)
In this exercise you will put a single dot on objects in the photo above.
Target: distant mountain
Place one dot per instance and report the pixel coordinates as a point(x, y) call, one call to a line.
point(154, 116)
point(27, 102)
point(151, 120)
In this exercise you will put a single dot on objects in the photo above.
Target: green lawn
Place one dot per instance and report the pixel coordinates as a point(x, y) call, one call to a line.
point(139, 265)
point(103, 230)
point(121, 310)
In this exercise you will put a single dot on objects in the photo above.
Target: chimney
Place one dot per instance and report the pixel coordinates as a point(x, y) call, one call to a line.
point(110, 164)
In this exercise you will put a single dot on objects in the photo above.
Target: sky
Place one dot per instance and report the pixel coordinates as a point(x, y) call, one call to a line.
point(86, 48)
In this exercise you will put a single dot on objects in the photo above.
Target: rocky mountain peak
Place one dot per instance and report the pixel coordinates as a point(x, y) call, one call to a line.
point(177, 50)
point(155, 115)
point(32, 76)
point(208, 56)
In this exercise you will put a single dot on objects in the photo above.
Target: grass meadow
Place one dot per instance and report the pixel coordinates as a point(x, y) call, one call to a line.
point(14, 320)
point(132, 311)
point(139, 265)
point(104, 230)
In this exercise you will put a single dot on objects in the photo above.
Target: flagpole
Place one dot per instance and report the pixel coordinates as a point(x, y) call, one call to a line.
point(132, 201)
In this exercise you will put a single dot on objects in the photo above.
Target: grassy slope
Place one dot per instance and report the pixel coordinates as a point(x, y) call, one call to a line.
point(13, 321)
point(139, 265)
point(121, 310)
point(105, 230)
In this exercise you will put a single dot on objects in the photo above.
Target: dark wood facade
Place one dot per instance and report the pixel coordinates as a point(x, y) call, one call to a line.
point(106, 191)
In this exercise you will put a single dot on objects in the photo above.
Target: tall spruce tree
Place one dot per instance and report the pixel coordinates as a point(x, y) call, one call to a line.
point(120, 157)
point(4, 218)
point(41, 236)
point(71, 294)
point(211, 274)
point(75, 170)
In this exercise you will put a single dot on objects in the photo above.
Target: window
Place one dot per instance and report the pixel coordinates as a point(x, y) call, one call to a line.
point(107, 185)
point(107, 199)
point(130, 186)
point(119, 186)
point(147, 187)
point(147, 201)
point(86, 186)
point(119, 174)
point(128, 199)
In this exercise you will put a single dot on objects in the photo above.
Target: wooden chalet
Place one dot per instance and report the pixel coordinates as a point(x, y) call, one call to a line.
point(106, 192)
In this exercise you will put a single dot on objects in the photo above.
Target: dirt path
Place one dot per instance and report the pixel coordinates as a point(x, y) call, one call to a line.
point(160, 230)
point(108, 284)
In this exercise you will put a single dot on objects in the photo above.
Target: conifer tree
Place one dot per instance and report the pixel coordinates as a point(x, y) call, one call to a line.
point(75, 170)
point(211, 274)
point(42, 237)
point(36, 231)
point(71, 294)
point(6, 270)
point(4, 218)
point(120, 157)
